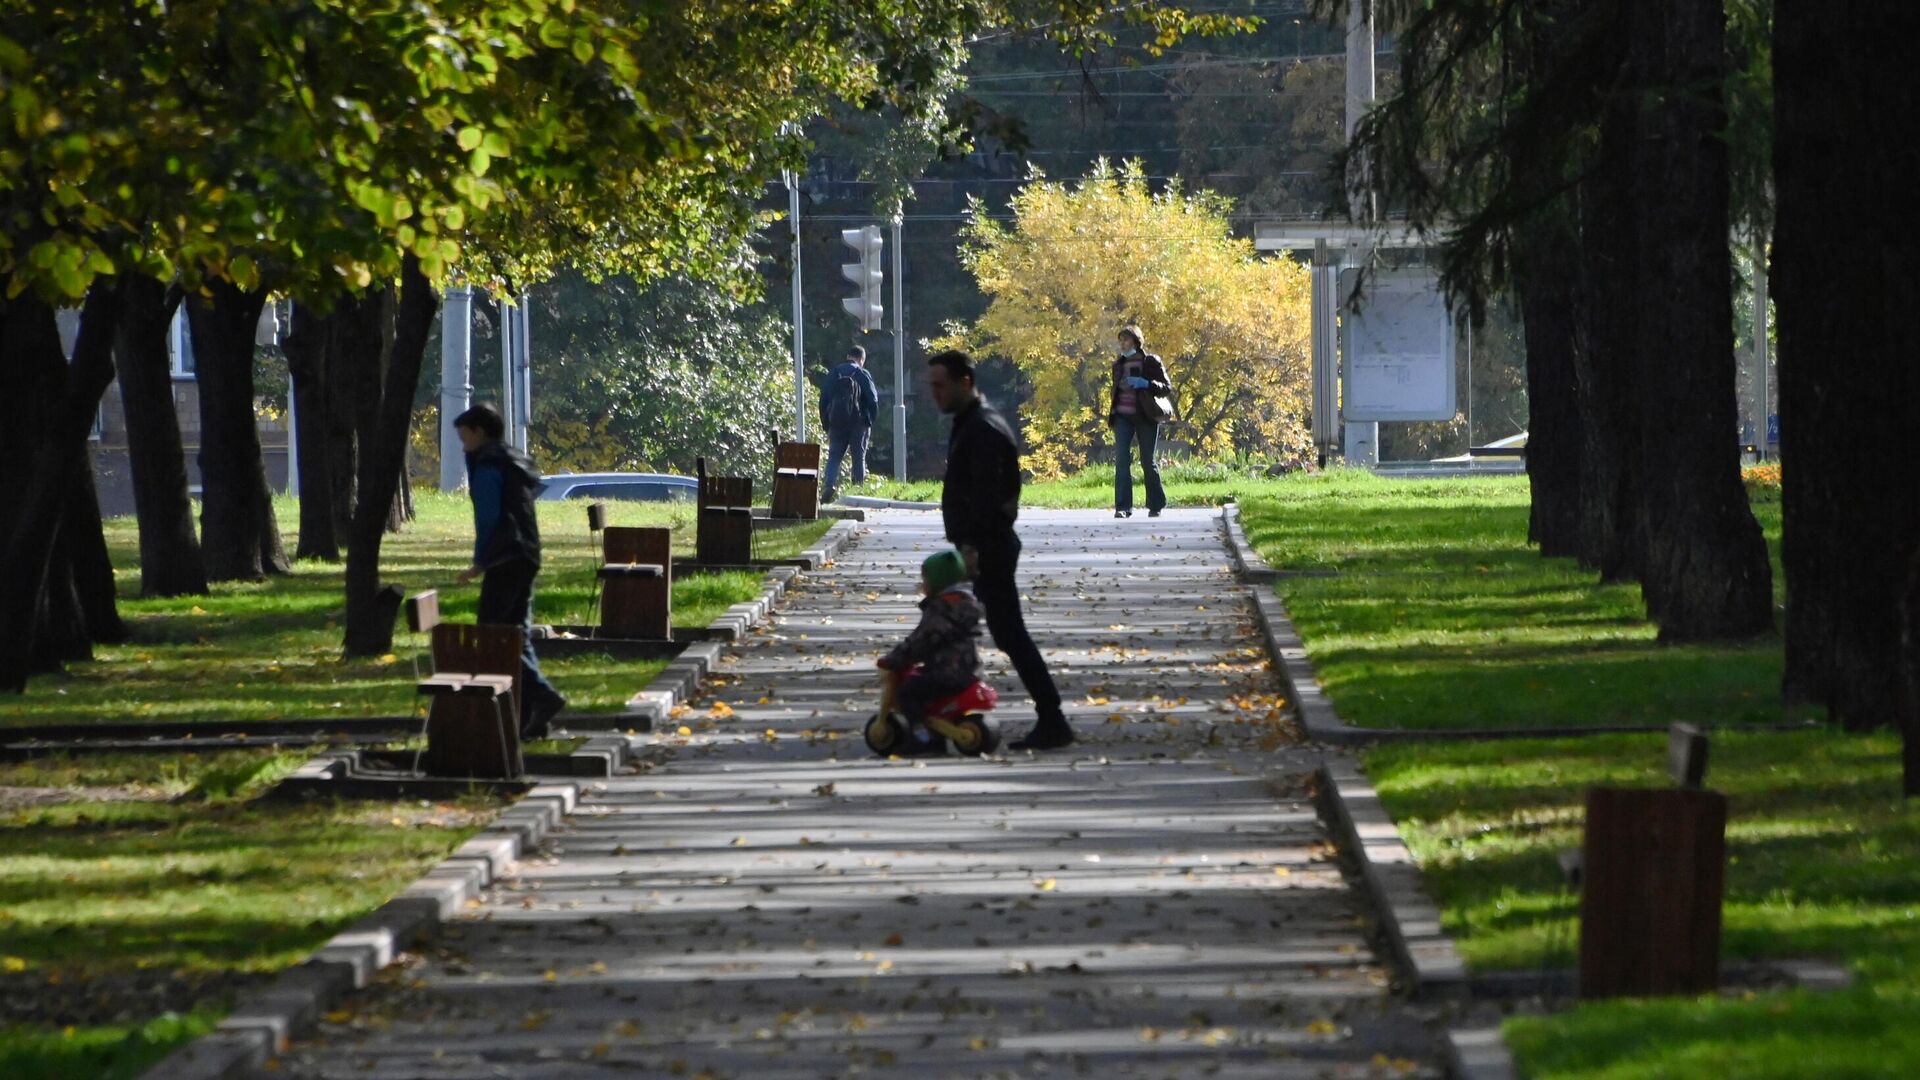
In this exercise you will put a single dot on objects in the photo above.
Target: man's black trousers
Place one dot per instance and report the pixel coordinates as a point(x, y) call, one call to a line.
point(995, 588)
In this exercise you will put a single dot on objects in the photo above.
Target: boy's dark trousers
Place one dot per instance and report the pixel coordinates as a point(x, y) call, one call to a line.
point(506, 599)
point(996, 591)
point(913, 696)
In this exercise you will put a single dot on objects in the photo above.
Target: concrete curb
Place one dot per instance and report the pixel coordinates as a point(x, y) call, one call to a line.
point(1479, 1054)
point(681, 679)
point(1410, 921)
point(262, 1024)
point(872, 503)
point(1246, 560)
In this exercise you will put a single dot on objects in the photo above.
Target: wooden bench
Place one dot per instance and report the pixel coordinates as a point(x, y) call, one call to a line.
point(724, 528)
point(473, 719)
point(796, 480)
point(637, 578)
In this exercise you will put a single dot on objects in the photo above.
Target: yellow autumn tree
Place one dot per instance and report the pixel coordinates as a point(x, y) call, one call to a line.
point(1078, 261)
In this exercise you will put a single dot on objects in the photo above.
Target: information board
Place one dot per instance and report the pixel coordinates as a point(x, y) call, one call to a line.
point(1397, 350)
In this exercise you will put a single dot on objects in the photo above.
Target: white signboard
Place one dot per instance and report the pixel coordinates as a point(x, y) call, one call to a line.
point(1396, 351)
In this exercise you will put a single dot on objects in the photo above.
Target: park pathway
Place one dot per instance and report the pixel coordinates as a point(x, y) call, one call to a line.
point(773, 901)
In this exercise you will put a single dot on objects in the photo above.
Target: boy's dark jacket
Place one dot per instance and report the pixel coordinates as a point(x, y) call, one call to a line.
point(944, 642)
point(514, 531)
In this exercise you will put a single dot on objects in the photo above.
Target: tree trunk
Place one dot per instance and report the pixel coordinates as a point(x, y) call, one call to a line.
point(371, 609)
point(1844, 101)
point(1908, 697)
point(84, 540)
point(1706, 574)
point(353, 351)
point(1556, 467)
point(308, 345)
point(169, 551)
point(57, 401)
point(240, 538)
point(1609, 531)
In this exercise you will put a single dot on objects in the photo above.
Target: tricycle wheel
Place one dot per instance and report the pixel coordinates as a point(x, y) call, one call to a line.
point(886, 734)
point(976, 735)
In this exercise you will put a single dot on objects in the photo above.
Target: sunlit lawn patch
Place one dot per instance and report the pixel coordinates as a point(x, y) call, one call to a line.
point(161, 884)
point(1426, 608)
point(1822, 860)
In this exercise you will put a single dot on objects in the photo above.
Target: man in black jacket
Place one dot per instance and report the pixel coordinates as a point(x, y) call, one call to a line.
point(506, 551)
point(978, 503)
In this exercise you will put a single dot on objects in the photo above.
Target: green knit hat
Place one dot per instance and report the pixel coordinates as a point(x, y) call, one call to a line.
point(943, 570)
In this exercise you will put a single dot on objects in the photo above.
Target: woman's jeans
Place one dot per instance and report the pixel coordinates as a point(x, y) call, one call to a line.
point(1125, 430)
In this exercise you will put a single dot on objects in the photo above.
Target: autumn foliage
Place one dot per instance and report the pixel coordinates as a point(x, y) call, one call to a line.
point(1078, 261)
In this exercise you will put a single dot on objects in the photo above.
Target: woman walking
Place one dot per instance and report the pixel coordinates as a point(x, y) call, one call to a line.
point(1138, 407)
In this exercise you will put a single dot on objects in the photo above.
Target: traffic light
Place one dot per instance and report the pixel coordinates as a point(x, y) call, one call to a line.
point(864, 305)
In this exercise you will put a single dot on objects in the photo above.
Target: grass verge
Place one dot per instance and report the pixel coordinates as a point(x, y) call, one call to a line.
point(1434, 613)
point(1193, 483)
point(140, 893)
point(1428, 609)
point(1821, 857)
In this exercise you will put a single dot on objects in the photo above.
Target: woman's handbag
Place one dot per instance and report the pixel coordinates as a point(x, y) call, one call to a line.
point(1158, 408)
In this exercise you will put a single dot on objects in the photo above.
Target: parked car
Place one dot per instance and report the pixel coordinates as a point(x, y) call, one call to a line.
point(633, 486)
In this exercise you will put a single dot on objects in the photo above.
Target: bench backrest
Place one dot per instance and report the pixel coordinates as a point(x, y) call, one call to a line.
point(624, 544)
point(477, 650)
point(726, 491)
point(423, 611)
point(796, 455)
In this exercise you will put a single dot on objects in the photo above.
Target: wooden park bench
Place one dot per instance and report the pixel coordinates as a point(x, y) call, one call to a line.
point(796, 480)
point(637, 578)
point(724, 528)
point(473, 719)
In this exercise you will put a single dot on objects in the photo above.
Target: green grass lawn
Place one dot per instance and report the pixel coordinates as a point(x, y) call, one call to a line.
point(1436, 614)
point(1426, 608)
point(271, 650)
point(149, 890)
point(1822, 853)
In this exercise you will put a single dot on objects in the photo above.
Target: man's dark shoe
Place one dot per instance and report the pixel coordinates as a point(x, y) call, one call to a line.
point(1044, 737)
point(1153, 513)
point(1122, 513)
point(540, 717)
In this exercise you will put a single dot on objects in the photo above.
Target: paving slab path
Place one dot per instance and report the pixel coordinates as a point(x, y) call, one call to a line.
point(771, 900)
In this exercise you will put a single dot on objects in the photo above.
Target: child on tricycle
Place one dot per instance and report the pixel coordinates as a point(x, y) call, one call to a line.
point(931, 688)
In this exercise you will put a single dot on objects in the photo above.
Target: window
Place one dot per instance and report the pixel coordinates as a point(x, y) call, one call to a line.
point(180, 346)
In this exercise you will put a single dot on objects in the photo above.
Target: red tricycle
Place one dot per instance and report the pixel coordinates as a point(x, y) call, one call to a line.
point(963, 719)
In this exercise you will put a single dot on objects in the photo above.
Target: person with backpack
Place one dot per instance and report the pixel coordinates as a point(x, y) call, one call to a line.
point(848, 404)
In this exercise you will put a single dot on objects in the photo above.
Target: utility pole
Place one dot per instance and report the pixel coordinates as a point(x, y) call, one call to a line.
point(799, 323)
point(1362, 438)
point(456, 387)
point(899, 359)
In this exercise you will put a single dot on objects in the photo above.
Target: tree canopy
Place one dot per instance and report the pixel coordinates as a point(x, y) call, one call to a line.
point(1078, 261)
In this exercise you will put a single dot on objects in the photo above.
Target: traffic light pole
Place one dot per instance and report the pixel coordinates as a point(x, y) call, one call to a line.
point(899, 362)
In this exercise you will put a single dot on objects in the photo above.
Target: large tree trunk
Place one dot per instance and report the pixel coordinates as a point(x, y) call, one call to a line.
point(308, 346)
point(1844, 103)
point(84, 540)
point(370, 609)
point(1556, 469)
point(240, 538)
point(1609, 534)
point(1705, 574)
point(169, 551)
point(1908, 687)
point(56, 401)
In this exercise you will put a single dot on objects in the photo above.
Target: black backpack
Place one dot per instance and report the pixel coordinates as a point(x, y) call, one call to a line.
point(843, 408)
